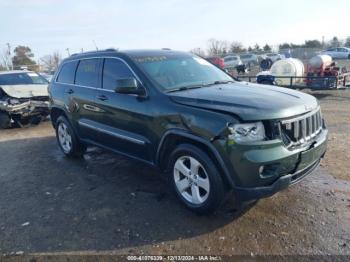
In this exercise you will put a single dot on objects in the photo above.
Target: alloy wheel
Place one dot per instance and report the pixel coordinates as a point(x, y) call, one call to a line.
point(64, 137)
point(191, 180)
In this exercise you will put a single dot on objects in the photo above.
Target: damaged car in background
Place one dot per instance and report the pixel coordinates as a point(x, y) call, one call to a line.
point(23, 98)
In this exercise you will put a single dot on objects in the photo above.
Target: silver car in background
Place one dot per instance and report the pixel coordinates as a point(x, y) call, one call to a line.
point(249, 59)
point(337, 52)
point(232, 61)
point(274, 56)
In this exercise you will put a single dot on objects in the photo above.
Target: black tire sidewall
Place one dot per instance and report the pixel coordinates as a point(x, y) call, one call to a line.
point(5, 120)
point(77, 149)
point(217, 189)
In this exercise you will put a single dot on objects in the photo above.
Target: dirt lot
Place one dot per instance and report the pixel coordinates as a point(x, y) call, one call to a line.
point(110, 204)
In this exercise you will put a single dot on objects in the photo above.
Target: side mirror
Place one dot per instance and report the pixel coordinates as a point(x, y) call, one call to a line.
point(128, 86)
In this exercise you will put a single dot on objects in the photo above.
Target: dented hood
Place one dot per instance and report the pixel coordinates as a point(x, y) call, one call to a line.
point(25, 91)
point(248, 101)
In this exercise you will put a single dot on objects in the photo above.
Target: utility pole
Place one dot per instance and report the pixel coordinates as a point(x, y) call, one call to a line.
point(322, 41)
point(9, 56)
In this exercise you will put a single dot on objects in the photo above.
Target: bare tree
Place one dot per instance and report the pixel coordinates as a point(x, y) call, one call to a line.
point(5, 59)
point(335, 42)
point(198, 51)
point(347, 42)
point(52, 61)
point(217, 47)
point(237, 47)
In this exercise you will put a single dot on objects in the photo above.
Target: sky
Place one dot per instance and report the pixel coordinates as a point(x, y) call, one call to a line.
point(48, 25)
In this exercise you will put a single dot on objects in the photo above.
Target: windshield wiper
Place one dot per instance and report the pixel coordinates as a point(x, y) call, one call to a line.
point(220, 82)
point(183, 88)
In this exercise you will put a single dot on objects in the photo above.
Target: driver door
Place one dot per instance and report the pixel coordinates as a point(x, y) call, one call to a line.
point(124, 118)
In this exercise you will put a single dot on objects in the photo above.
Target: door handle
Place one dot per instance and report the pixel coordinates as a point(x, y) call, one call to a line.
point(70, 91)
point(102, 97)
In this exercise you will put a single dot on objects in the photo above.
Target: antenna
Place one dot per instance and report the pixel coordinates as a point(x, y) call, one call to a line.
point(95, 45)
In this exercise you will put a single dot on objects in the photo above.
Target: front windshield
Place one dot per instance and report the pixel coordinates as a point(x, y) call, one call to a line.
point(25, 78)
point(172, 72)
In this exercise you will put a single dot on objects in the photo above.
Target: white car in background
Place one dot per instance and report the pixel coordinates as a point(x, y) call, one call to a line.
point(24, 98)
point(337, 52)
point(249, 59)
point(232, 61)
point(274, 56)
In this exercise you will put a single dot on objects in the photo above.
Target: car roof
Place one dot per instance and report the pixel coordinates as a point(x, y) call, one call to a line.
point(15, 72)
point(130, 53)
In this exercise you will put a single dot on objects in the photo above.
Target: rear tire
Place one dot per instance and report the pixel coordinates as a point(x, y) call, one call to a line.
point(67, 139)
point(196, 179)
point(5, 120)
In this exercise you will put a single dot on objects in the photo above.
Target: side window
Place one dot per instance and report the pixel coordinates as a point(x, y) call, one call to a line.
point(67, 72)
point(114, 69)
point(87, 73)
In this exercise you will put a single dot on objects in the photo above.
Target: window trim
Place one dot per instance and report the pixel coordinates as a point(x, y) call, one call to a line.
point(100, 57)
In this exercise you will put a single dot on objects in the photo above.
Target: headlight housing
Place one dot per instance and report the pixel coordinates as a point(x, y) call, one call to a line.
point(248, 132)
point(13, 101)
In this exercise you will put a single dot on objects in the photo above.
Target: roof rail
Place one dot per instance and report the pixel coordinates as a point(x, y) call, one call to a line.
point(96, 51)
point(110, 49)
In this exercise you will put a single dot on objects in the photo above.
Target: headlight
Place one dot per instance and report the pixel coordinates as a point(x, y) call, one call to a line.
point(247, 132)
point(13, 101)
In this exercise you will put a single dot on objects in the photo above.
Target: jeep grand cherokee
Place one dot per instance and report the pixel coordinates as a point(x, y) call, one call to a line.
point(209, 133)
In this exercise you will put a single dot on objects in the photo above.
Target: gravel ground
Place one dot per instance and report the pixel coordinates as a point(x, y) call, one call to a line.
point(107, 204)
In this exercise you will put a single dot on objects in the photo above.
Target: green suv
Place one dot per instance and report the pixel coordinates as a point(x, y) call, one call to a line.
point(207, 132)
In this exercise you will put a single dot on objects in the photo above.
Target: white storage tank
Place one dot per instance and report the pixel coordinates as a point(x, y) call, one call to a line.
point(288, 67)
point(320, 61)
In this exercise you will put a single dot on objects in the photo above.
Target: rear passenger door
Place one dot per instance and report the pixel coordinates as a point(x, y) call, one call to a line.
point(123, 125)
point(87, 81)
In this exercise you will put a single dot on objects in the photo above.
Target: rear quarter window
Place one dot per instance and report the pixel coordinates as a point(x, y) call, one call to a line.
point(66, 75)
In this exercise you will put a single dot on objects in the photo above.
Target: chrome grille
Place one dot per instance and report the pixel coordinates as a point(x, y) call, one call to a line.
point(300, 130)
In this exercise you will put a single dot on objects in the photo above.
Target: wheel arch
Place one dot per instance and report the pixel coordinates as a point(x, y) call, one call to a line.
point(173, 138)
point(55, 113)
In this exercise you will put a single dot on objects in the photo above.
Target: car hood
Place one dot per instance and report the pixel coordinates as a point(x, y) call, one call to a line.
point(25, 91)
point(248, 101)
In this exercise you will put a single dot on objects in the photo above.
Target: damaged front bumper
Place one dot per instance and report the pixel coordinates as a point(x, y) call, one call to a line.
point(262, 170)
point(26, 108)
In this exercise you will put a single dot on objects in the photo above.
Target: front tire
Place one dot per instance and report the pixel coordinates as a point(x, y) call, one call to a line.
point(5, 120)
point(67, 139)
point(196, 179)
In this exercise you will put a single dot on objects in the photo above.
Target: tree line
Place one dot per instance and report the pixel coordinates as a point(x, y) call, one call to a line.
point(222, 47)
point(23, 56)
